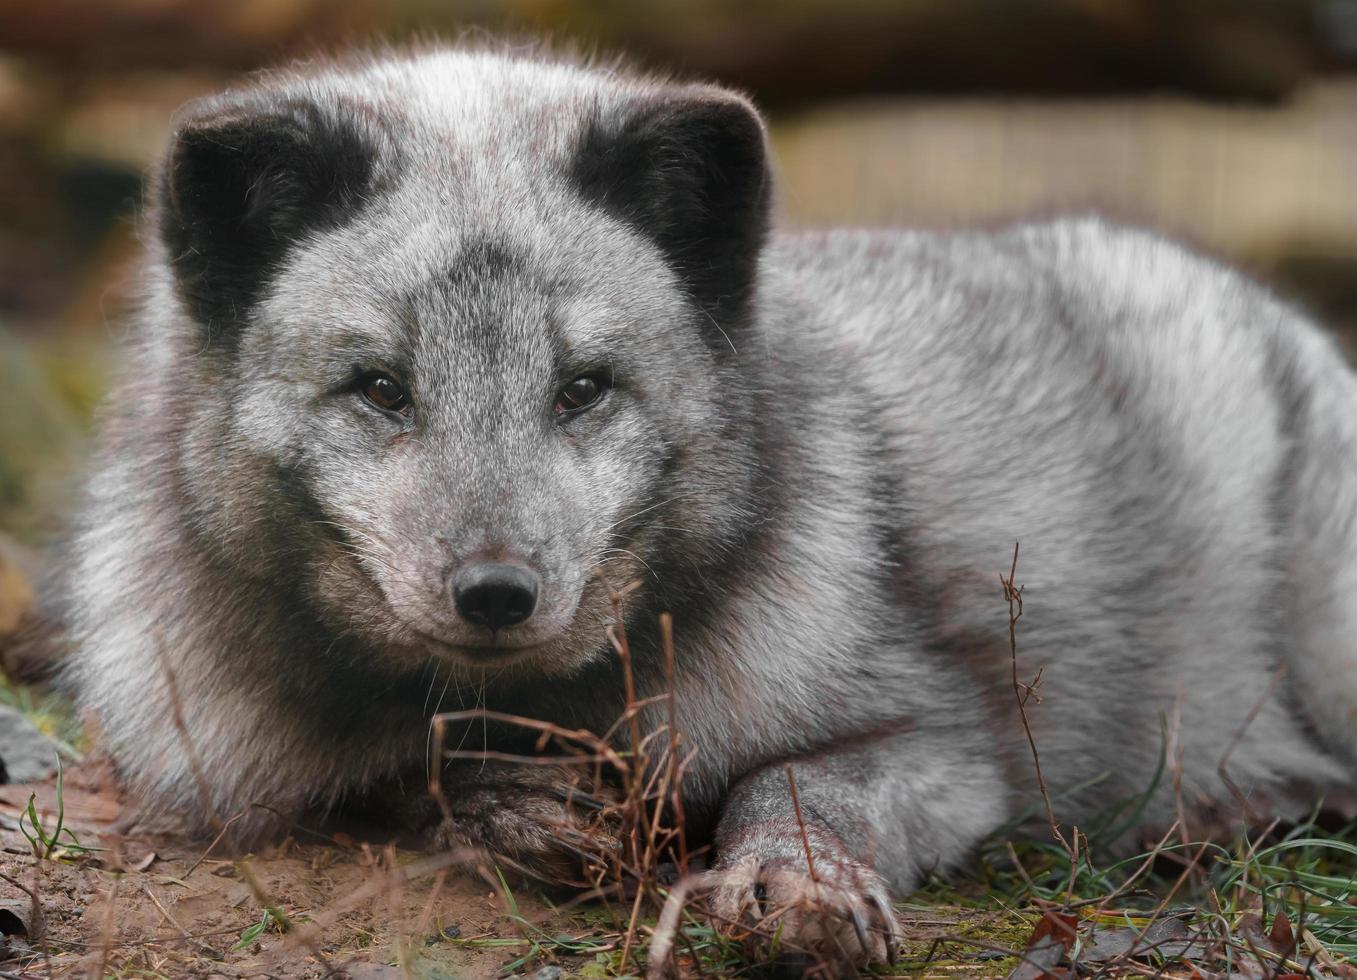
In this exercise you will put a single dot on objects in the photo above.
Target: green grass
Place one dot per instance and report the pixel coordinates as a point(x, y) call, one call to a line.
point(1307, 875)
point(48, 845)
point(272, 918)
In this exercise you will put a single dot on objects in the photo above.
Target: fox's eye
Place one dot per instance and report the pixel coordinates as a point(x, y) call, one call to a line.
point(580, 394)
point(386, 393)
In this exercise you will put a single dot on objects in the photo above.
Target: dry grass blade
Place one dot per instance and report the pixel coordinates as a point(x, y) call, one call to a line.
point(243, 867)
point(1024, 693)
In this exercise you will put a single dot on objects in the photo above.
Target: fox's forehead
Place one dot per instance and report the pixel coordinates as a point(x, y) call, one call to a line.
point(464, 105)
point(472, 215)
point(471, 300)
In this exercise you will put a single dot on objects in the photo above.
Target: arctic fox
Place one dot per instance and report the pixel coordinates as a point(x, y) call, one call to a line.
point(436, 349)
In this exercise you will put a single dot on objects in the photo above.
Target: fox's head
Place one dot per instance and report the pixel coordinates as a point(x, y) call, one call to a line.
point(461, 333)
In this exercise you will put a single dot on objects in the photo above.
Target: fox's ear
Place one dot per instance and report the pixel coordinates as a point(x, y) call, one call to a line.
point(688, 167)
point(245, 178)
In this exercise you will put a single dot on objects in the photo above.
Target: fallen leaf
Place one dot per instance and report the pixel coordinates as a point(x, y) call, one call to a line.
point(1166, 938)
point(1061, 926)
point(1041, 961)
point(1281, 934)
point(1051, 941)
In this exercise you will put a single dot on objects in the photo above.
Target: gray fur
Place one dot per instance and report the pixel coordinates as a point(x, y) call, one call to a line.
point(822, 476)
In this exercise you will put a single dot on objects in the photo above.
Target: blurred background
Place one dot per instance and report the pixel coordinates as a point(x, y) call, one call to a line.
point(1232, 123)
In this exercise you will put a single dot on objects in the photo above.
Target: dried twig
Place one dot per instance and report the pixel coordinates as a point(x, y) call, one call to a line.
point(99, 967)
point(201, 948)
point(1024, 692)
point(801, 822)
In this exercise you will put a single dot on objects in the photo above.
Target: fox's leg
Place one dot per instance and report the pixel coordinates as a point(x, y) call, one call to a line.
point(544, 822)
point(875, 814)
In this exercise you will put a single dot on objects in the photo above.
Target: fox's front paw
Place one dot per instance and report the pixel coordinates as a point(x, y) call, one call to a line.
point(538, 820)
point(834, 910)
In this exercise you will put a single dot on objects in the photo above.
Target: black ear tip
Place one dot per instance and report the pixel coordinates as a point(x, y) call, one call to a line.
point(726, 105)
point(197, 156)
point(687, 166)
point(712, 112)
point(234, 134)
point(207, 142)
point(244, 178)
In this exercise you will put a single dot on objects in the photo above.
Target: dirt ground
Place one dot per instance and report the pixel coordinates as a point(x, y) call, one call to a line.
point(171, 911)
point(159, 908)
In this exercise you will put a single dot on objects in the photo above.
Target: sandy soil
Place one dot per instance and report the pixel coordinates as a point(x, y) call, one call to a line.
point(173, 912)
point(161, 908)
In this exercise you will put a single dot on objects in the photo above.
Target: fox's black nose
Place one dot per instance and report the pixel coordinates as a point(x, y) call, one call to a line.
point(495, 595)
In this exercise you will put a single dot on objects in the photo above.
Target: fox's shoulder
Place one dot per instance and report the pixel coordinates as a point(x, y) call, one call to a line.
point(1072, 272)
point(1068, 248)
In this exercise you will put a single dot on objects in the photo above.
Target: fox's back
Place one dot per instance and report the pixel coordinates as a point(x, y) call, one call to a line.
point(1127, 411)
